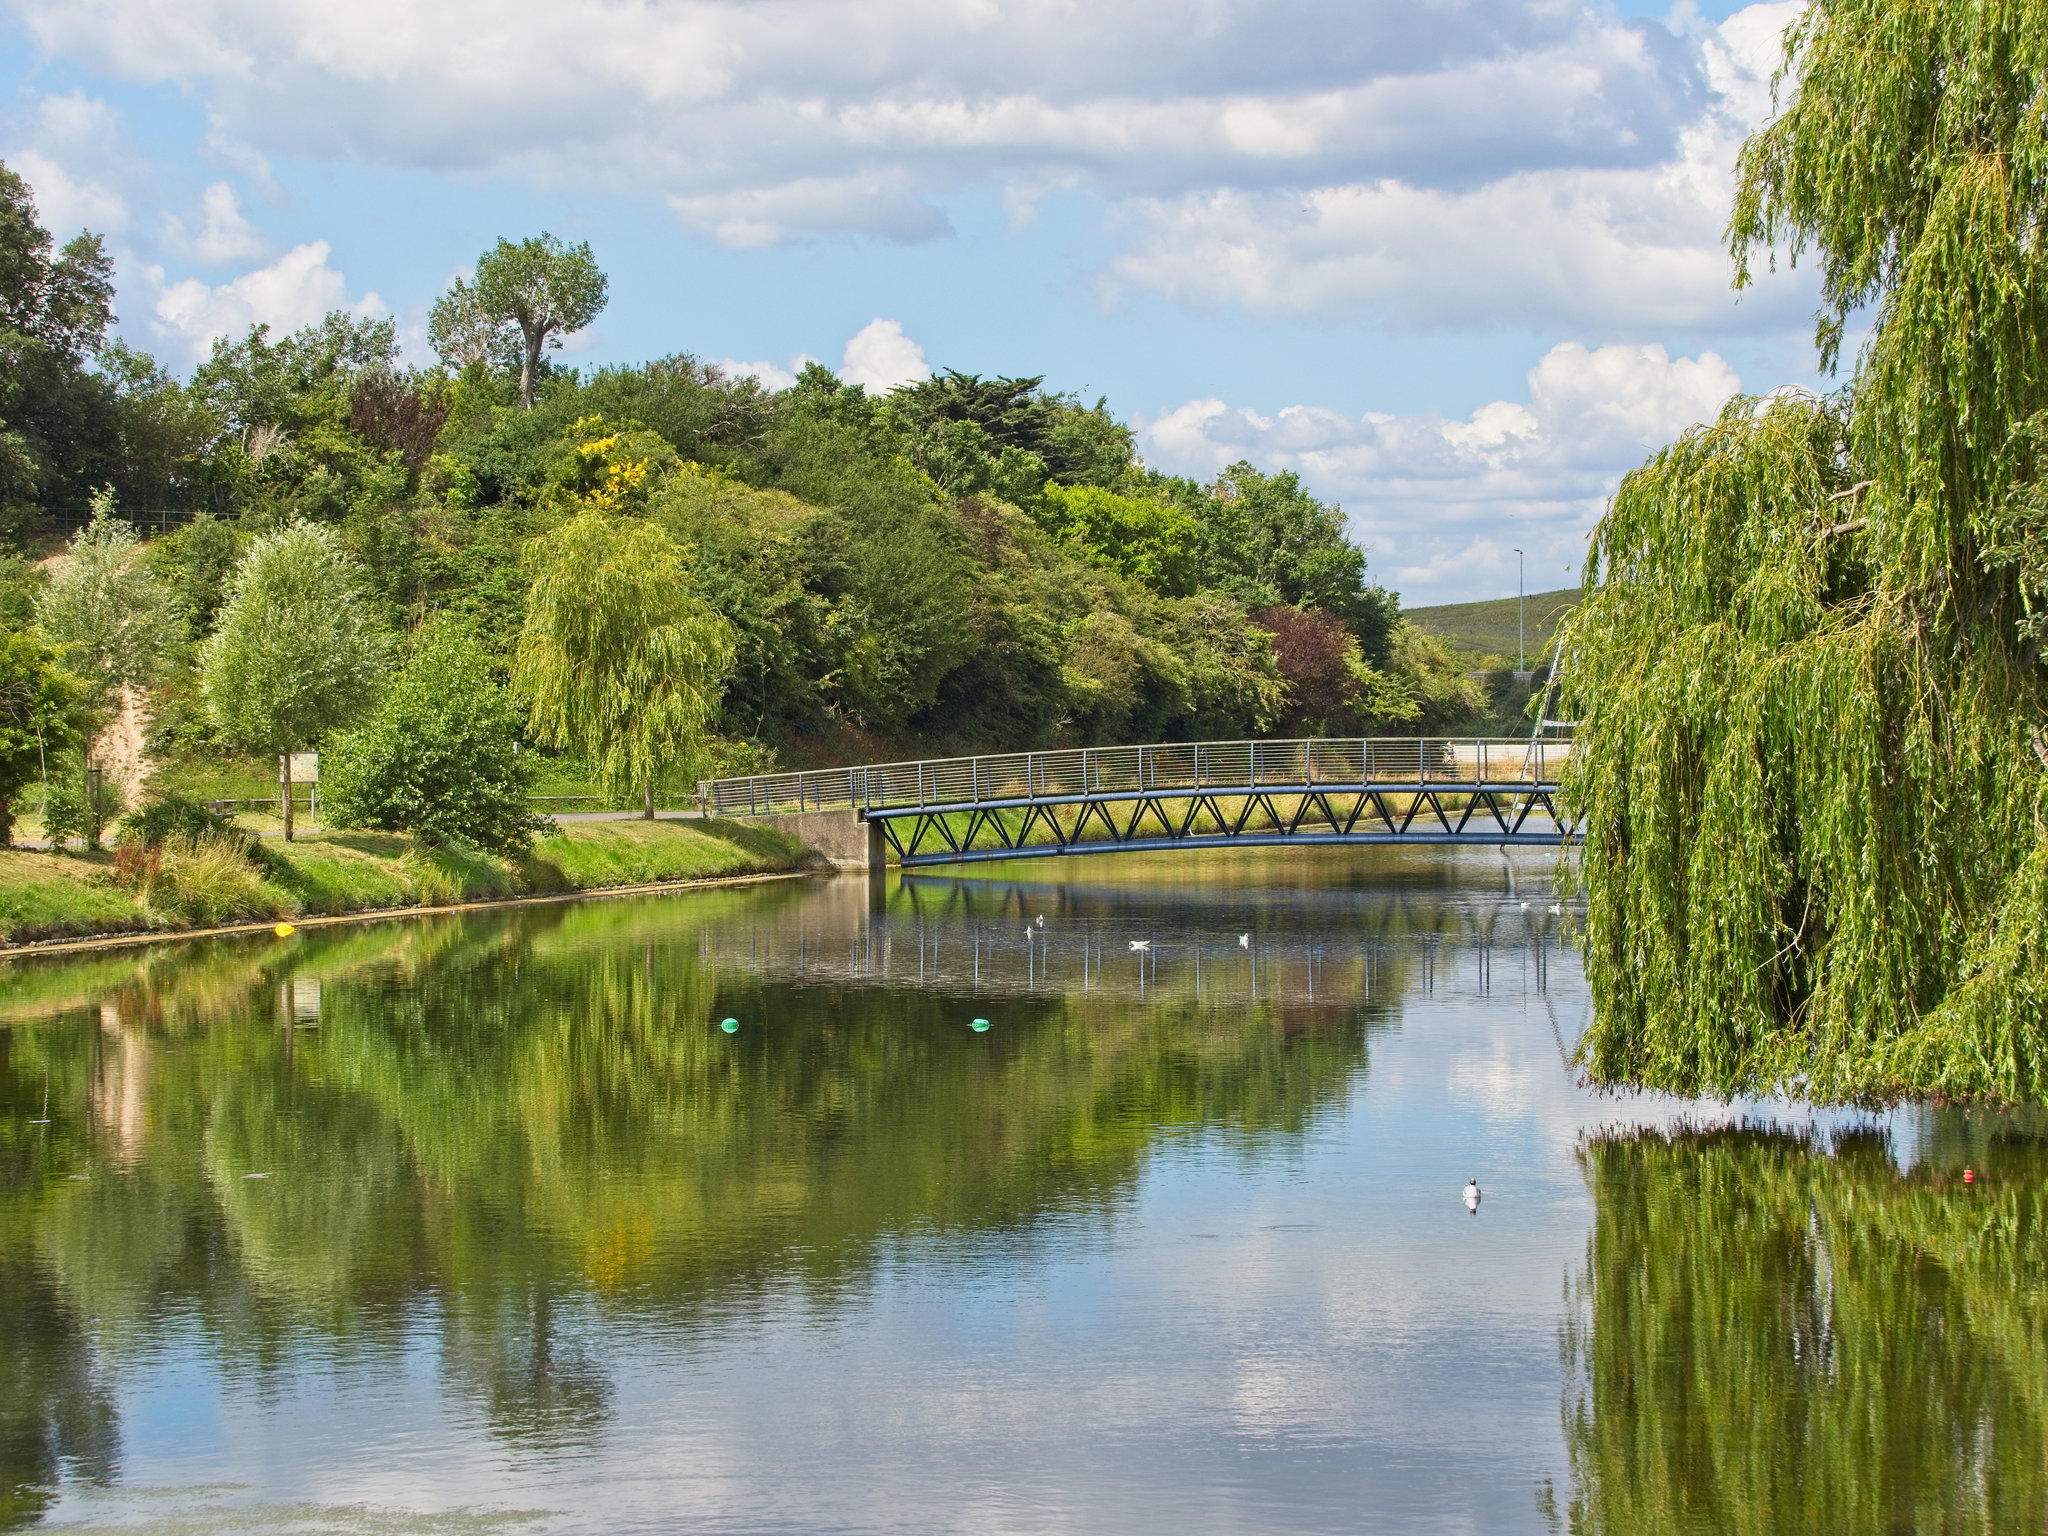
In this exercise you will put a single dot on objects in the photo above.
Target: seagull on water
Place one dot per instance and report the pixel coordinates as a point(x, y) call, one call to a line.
point(1472, 1196)
point(1141, 943)
point(1244, 941)
point(1041, 919)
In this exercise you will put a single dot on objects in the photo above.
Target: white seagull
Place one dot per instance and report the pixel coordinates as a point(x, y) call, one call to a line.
point(1244, 941)
point(1472, 1195)
point(1141, 943)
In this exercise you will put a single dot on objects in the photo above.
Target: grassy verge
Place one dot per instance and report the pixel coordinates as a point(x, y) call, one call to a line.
point(585, 856)
point(46, 896)
point(1489, 628)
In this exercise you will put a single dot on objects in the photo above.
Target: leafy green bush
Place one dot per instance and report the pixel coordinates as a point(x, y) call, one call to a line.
point(68, 812)
point(437, 758)
point(171, 816)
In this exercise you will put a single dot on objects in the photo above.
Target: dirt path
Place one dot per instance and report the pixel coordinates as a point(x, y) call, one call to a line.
point(121, 750)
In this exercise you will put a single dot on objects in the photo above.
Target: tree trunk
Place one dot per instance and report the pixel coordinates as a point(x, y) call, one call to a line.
point(6, 823)
point(648, 814)
point(286, 760)
point(529, 364)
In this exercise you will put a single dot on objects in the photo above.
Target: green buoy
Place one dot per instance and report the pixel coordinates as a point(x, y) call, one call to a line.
point(730, 1026)
point(980, 1026)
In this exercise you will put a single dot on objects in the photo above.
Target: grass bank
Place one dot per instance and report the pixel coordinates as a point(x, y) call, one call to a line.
point(54, 896)
point(1476, 630)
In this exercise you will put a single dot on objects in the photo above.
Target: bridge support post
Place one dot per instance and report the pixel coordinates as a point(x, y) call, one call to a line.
point(878, 867)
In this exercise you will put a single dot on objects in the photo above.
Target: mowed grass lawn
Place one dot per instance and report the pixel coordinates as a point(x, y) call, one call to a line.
point(49, 895)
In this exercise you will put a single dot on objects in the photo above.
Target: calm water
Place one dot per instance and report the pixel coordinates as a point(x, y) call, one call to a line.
point(485, 1224)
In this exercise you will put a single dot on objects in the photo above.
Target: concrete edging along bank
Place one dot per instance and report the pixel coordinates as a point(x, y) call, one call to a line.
point(381, 914)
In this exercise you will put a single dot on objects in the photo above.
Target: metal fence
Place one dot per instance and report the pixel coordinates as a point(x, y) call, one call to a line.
point(1084, 772)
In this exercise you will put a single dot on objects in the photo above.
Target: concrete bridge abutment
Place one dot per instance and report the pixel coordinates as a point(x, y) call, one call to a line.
point(841, 839)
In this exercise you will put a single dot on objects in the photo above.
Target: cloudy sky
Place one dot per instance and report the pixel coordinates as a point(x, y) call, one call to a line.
point(1458, 262)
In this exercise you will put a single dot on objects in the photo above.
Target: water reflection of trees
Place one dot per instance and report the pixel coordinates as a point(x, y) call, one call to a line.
point(512, 1124)
point(1775, 1334)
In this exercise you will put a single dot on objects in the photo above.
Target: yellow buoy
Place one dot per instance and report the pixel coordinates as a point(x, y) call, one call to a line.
point(284, 930)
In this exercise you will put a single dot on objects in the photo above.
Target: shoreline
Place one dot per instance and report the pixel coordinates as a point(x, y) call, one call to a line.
point(133, 940)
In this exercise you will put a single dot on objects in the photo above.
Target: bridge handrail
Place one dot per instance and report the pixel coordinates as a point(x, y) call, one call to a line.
point(1333, 763)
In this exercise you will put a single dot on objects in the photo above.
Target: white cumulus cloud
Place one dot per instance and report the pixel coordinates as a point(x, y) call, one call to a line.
point(1441, 503)
point(881, 357)
point(768, 375)
point(72, 153)
point(1538, 163)
point(222, 235)
point(297, 289)
point(1580, 245)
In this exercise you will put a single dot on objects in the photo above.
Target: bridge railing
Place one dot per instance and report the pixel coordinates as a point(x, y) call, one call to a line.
point(1081, 771)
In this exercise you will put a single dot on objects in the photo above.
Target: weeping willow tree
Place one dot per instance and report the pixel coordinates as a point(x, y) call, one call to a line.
point(619, 660)
point(1816, 835)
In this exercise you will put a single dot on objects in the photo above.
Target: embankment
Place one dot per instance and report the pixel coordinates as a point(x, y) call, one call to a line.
point(45, 896)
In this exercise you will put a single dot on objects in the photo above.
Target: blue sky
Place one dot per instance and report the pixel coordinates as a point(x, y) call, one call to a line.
point(1457, 263)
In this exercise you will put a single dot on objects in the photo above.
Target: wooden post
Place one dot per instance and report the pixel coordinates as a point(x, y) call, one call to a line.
point(285, 780)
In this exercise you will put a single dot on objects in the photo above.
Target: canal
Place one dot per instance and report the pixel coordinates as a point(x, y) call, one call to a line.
point(487, 1223)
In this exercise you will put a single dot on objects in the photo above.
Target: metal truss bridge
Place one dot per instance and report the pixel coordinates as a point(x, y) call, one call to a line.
point(1183, 796)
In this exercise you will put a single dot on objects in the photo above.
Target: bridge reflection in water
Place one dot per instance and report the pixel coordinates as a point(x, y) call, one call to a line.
point(1121, 941)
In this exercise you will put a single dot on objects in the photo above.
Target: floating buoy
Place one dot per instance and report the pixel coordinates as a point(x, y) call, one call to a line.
point(1969, 1177)
point(979, 1026)
point(284, 930)
point(730, 1026)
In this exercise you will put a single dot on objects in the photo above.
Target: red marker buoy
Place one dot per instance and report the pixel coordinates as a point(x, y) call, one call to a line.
point(1969, 1177)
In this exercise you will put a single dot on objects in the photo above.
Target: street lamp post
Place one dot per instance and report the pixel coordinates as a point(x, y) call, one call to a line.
point(1521, 644)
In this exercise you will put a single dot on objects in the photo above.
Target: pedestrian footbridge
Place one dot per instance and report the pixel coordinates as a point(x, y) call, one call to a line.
point(1178, 796)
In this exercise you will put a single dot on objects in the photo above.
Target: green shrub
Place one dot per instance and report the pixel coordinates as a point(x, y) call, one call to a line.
point(437, 758)
point(171, 816)
point(68, 812)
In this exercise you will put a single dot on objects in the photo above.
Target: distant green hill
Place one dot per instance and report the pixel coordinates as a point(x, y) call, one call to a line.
point(1474, 629)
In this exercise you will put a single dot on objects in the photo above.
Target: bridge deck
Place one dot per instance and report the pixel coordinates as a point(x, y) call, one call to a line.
point(1182, 795)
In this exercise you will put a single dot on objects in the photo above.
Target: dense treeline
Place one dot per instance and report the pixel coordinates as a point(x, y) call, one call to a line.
point(963, 563)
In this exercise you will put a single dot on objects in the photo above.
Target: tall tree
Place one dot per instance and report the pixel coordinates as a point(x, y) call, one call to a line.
point(114, 622)
point(297, 652)
point(542, 286)
point(1809, 662)
point(59, 427)
point(467, 335)
point(619, 661)
point(1266, 540)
